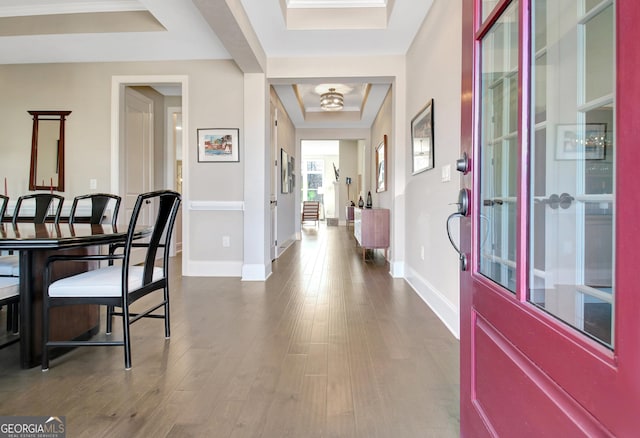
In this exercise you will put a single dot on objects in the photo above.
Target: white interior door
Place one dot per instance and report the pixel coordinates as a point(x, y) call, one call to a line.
point(137, 152)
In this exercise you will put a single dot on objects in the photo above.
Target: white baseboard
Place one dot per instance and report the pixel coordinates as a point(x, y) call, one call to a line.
point(397, 269)
point(213, 269)
point(282, 247)
point(255, 272)
point(441, 306)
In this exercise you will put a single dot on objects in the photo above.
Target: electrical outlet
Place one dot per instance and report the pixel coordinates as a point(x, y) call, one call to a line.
point(93, 184)
point(422, 252)
point(226, 241)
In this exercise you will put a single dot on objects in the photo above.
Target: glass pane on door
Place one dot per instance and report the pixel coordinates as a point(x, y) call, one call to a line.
point(573, 155)
point(487, 7)
point(499, 150)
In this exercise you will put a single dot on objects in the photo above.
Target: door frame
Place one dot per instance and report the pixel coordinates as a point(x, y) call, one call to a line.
point(170, 174)
point(118, 84)
point(273, 208)
point(169, 171)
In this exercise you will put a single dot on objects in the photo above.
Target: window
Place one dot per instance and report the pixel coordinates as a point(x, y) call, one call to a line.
point(312, 180)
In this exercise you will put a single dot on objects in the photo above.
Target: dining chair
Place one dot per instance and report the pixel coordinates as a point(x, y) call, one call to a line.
point(9, 283)
point(4, 200)
point(8, 262)
point(44, 207)
point(9, 265)
point(119, 285)
point(10, 297)
point(99, 203)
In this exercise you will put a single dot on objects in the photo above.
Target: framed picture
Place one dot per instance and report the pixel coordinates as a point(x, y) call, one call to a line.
point(584, 141)
point(381, 162)
point(292, 174)
point(422, 139)
point(284, 171)
point(218, 145)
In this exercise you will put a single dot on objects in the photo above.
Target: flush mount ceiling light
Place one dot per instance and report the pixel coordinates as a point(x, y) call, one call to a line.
point(331, 100)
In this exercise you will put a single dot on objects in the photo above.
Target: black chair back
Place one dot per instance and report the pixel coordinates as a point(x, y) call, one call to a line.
point(4, 200)
point(43, 203)
point(99, 203)
point(166, 202)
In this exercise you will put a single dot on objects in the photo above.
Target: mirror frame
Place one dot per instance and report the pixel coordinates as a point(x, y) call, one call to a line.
point(381, 165)
point(47, 115)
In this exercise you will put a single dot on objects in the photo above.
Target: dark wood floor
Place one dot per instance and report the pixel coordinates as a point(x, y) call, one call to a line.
point(329, 346)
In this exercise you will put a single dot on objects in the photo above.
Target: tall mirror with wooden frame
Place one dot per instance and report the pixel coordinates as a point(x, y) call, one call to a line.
point(47, 150)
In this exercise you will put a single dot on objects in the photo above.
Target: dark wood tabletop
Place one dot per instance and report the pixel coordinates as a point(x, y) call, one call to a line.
point(22, 236)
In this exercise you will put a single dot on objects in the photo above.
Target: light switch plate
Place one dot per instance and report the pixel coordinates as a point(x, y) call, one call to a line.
point(446, 173)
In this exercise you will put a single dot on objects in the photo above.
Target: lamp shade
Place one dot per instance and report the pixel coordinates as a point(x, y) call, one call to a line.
point(331, 100)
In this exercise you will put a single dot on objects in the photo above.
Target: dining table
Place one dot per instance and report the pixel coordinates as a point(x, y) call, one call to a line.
point(34, 244)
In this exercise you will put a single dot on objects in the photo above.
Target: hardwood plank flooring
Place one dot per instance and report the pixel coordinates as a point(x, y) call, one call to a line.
point(328, 346)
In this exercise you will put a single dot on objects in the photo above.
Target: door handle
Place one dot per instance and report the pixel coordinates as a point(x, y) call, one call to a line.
point(463, 202)
point(554, 201)
point(463, 164)
point(461, 256)
point(463, 210)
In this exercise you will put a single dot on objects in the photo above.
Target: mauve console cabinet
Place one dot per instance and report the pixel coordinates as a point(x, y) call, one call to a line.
point(371, 228)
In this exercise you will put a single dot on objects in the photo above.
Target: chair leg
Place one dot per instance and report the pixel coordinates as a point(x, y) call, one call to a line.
point(9, 316)
point(12, 317)
point(45, 333)
point(15, 318)
point(167, 325)
point(126, 336)
point(109, 320)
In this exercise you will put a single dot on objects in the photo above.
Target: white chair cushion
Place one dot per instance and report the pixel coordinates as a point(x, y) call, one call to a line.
point(10, 265)
point(103, 282)
point(9, 287)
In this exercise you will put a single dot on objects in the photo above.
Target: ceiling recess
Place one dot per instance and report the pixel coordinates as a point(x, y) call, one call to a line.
point(336, 14)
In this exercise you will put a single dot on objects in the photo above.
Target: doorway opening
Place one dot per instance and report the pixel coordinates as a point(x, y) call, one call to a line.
point(320, 175)
point(331, 173)
point(168, 130)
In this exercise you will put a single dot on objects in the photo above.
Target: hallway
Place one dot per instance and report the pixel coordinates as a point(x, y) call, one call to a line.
point(329, 346)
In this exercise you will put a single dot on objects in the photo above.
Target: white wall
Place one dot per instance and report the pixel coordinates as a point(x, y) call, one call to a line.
point(382, 125)
point(434, 71)
point(348, 168)
point(256, 227)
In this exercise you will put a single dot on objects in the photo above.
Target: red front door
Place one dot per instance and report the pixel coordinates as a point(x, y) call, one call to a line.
point(550, 312)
